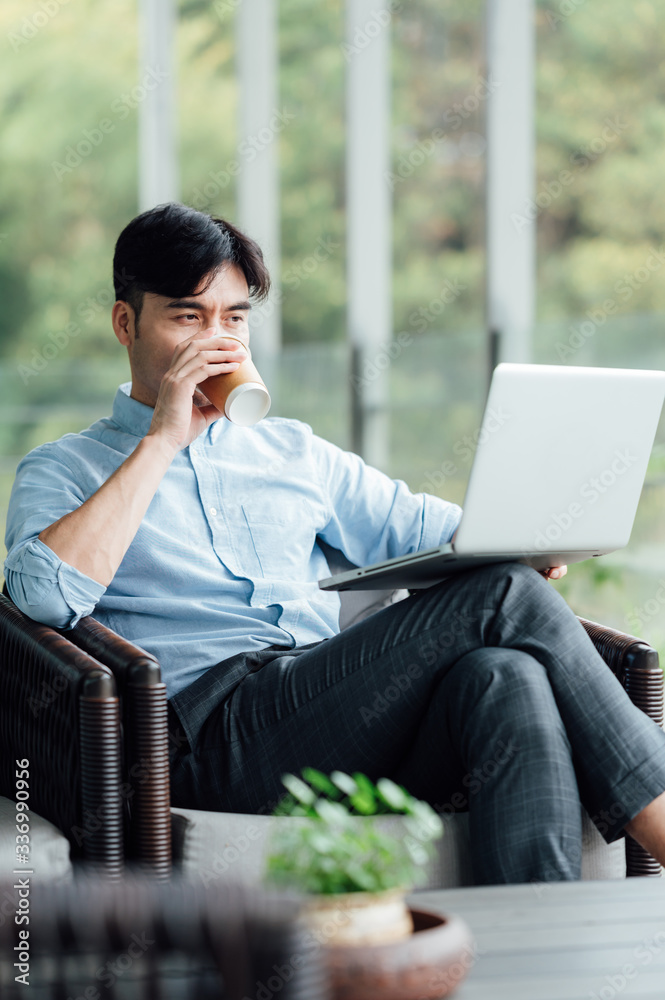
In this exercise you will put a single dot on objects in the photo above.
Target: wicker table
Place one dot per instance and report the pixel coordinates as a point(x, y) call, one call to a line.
point(561, 941)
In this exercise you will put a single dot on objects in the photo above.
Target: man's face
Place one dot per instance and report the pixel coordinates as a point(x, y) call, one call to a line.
point(165, 322)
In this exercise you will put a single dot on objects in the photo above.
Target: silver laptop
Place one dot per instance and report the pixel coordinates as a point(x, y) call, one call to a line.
point(557, 475)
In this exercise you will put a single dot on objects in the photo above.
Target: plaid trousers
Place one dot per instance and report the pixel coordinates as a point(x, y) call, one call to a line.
point(482, 693)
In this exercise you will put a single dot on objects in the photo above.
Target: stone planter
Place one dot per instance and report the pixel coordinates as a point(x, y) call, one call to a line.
point(428, 964)
point(353, 919)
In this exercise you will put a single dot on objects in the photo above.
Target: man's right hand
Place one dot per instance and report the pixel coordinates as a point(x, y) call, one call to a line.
point(182, 412)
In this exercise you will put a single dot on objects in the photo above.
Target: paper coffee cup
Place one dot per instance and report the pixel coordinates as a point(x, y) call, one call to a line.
point(248, 403)
point(240, 395)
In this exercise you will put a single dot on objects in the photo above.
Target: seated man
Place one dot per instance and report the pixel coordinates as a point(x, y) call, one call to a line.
point(199, 540)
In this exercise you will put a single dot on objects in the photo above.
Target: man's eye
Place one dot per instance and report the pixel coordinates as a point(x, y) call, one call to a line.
point(188, 316)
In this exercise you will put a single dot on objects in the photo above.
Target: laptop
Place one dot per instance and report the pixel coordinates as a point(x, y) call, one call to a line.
point(556, 478)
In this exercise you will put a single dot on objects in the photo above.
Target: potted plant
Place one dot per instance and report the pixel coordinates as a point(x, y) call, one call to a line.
point(355, 872)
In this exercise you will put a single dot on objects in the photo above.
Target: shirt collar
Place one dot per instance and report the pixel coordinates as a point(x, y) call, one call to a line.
point(136, 417)
point(129, 414)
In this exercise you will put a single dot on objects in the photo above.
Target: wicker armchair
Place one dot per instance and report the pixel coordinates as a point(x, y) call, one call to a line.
point(74, 740)
point(139, 939)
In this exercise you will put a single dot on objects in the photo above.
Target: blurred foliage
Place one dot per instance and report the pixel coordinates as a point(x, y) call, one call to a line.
point(57, 232)
point(601, 116)
point(342, 850)
point(600, 121)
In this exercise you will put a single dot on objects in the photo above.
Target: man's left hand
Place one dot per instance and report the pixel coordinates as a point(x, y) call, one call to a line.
point(555, 573)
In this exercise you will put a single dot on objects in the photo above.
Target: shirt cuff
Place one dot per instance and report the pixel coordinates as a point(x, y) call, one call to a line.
point(47, 589)
point(439, 525)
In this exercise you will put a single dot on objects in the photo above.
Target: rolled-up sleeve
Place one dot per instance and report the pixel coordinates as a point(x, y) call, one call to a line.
point(47, 589)
point(373, 517)
point(44, 587)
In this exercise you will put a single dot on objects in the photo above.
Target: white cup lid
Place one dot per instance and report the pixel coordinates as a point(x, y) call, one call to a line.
point(247, 404)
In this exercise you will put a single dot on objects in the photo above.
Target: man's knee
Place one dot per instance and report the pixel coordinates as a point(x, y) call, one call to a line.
point(522, 592)
point(488, 586)
point(496, 689)
point(509, 676)
point(510, 666)
point(518, 573)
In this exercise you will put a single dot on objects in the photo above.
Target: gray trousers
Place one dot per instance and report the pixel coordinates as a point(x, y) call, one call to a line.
point(482, 693)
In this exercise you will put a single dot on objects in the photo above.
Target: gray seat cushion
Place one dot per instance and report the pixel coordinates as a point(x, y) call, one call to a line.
point(234, 846)
point(49, 848)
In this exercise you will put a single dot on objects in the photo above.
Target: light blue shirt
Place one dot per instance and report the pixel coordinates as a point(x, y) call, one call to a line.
point(226, 558)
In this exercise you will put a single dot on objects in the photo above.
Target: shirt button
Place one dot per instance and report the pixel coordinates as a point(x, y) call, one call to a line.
point(213, 511)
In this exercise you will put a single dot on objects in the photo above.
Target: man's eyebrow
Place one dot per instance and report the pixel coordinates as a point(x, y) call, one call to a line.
point(193, 304)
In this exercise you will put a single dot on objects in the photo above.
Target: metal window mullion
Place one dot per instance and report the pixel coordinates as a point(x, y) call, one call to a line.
point(156, 95)
point(258, 189)
point(511, 234)
point(369, 223)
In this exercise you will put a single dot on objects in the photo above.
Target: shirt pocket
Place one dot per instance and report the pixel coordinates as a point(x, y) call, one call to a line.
point(283, 539)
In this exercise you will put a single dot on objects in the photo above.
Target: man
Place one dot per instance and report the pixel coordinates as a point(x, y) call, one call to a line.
point(199, 540)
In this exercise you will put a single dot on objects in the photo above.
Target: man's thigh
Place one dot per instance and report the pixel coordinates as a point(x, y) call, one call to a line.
point(353, 702)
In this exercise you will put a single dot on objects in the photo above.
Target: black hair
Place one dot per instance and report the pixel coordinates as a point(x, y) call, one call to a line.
point(171, 249)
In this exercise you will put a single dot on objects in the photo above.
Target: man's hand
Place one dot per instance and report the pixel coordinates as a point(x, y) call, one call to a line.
point(555, 573)
point(181, 411)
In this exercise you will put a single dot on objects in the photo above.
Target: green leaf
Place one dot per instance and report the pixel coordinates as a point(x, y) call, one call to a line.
point(393, 795)
point(364, 879)
point(363, 804)
point(429, 821)
point(365, 785)
point(321, 782)
point(332, 812)
point(344, 782)
point(300, 791)
point(364, 800)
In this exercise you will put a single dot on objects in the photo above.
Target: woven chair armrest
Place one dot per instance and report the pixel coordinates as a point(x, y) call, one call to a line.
point(636, 665)
point(128, 661)
point(59, 710)
point(146, 746)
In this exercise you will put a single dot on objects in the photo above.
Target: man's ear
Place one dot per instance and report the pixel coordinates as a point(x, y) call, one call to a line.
point(123, 318)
